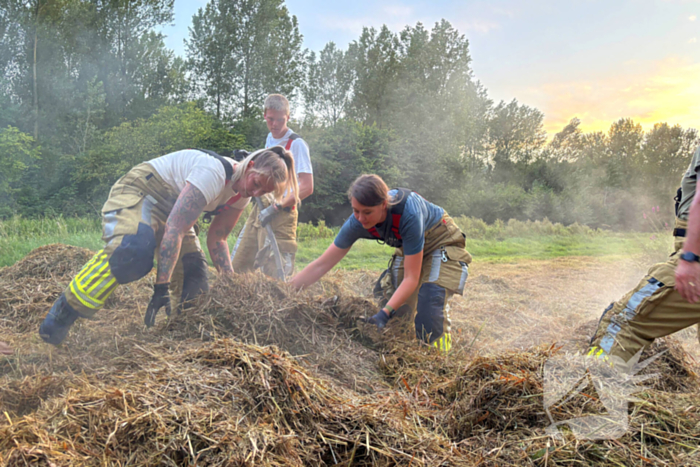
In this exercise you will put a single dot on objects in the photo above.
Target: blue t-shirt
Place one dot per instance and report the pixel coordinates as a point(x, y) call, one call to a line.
point(418, 216)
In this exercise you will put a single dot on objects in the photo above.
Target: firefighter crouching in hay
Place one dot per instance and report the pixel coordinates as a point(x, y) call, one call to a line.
point(252, 249)
point(666, 300)
point(151, 212)
point(429, 265)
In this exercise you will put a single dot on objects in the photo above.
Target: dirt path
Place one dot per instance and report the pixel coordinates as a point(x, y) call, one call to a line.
point(515, 306)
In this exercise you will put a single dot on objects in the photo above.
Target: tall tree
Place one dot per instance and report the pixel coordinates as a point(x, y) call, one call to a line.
point(210, 60)
point(375, 64)
point(245, 49)
point(328, 84)
point(516, 132)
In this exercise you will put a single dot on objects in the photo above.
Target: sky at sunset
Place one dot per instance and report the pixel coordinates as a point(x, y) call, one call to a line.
point(592, 59)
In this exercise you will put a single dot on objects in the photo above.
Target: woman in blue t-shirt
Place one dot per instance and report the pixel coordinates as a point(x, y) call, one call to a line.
point(429, 264)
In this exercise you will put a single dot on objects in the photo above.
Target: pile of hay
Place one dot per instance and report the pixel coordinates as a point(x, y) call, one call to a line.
point(259, 374)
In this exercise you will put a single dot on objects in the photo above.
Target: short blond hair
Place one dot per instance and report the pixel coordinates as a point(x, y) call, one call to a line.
point(276, 102)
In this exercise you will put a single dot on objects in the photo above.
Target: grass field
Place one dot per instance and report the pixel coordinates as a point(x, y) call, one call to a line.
point(20, 236)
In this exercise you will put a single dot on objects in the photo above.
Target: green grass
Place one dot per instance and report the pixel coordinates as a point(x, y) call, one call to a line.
point(18, 237)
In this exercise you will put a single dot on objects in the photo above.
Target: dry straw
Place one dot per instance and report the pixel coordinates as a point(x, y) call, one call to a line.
point(257, 374)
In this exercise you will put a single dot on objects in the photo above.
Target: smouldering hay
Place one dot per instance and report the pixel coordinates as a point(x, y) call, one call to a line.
point(21, 397)
point(117, 393)
point(224, 403)
point(29, 287)
point(55, 261)
point(262, 311)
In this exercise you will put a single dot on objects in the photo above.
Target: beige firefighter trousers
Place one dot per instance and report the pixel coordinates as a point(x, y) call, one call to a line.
point(651, 310)
point(444, 272)
point(252, 249)
point(133, 220)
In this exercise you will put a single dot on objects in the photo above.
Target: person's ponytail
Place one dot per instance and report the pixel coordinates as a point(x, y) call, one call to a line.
point(292, 182)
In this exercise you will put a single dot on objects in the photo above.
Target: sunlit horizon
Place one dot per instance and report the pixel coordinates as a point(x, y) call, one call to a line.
point(598, 61)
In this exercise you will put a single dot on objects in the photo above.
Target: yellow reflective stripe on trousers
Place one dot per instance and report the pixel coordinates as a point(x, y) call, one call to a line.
point(89, 264)
point(86, 274)
point(95, 276)
point(444, 344)
point(97, 282)
point(597, 352)
point(104, 292)
point(84, 299)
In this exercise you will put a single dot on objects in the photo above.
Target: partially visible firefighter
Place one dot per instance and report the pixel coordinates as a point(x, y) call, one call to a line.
point(151, 213)
point(252, 249)
point(666, 300)
point(429, 265)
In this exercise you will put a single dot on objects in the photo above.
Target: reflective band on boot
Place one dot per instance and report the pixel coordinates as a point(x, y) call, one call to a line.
point(58, 321)
point(94, 283)
point(444, 344)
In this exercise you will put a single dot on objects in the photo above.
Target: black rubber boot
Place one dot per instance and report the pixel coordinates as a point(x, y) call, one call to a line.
point(58, 321)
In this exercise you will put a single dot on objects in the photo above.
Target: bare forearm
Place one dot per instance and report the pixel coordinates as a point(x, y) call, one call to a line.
point(306, 188)
point(181, 219)
point(310, 274)
point(403, 292)
point(220, 229)
point(220, 256)
point(168, 254)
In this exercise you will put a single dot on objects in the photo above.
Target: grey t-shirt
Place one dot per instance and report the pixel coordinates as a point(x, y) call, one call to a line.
point(688, 184)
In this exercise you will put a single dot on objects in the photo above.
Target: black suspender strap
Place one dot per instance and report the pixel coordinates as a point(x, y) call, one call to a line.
point(227, 165)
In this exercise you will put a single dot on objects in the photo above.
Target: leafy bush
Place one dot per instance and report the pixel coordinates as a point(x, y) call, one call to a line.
point(308, 231)
point(478, 229)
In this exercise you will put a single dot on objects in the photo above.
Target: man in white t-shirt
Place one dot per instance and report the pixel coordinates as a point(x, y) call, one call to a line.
point(150, 214)
point(252, 250)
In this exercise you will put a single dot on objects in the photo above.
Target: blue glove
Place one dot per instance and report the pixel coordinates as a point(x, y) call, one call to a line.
point(267, 214)
point(380, 319)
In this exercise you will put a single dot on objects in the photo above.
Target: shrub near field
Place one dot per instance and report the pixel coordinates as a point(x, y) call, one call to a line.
point(497, 242)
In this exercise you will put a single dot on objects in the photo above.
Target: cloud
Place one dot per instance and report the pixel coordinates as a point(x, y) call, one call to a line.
point(657, 91)
point(398, 10)
point(341, 23)
point(503, 12)
point(693, 18)
point(396, 16)
point(693, 40)
point(477, 25)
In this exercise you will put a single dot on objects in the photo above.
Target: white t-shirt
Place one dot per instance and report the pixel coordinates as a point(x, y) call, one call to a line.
point(201, 170)
point(299, 149)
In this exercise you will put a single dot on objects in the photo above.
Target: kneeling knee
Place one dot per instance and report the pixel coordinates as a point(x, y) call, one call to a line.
point(133, 258)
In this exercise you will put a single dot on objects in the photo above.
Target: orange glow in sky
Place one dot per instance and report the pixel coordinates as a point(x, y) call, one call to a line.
point(663, 91)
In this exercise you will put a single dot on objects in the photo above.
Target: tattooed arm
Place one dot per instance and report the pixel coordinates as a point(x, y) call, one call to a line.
point(188, 207)
point(219, 230)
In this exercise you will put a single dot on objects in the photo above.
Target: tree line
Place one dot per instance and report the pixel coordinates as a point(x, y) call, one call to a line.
point(88, 89)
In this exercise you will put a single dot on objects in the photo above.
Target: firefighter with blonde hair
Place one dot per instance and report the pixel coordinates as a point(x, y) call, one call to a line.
point(429, 265)
point(150, 214)
point(253, 249)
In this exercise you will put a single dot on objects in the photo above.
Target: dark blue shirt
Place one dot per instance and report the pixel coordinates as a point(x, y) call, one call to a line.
point(418, 216)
